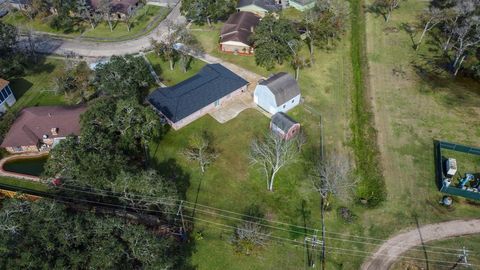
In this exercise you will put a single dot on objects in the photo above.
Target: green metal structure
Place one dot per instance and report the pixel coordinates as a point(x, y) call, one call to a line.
point(439, 169)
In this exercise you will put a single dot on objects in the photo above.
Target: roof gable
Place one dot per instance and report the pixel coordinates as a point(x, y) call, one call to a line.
point(3, 83)
point(239, 27)
point(212, 83)
point(267, 5)
point(283, 86)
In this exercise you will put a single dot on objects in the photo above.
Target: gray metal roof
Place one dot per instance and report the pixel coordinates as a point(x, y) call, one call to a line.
point(212, 83)
point(283, 86)
point(268, 5)
point(283, 121)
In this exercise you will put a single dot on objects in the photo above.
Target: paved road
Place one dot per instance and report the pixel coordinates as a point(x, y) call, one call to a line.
point(50, 45)
point(388, 253)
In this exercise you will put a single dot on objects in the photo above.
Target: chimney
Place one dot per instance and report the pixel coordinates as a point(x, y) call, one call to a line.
point(54, 131)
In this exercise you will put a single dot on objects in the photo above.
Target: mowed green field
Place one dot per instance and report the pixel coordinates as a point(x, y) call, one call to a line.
point(413, 107)
point(410, 110)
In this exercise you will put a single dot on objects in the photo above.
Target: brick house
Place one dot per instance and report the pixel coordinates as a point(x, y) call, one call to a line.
point(236, 32)
point(39, 129)
point(191, 99)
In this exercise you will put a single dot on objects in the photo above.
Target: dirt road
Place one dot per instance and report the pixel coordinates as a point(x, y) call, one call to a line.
point(387, 254)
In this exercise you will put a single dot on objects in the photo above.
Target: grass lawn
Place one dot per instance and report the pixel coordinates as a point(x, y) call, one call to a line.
point(23, 183)
point(172, 77)
point(36, 87)
point(410, 110)
point(232, 184)
point(144, 18)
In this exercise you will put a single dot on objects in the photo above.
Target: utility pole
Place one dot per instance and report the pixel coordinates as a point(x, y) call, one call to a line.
point(312, 242)
point(462, 259)
point(183, 230)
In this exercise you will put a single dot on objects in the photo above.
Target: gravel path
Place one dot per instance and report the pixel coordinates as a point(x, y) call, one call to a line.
point(387, 254)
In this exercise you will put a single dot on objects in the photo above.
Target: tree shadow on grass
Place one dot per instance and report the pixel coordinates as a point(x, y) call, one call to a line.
point(20, 86)
point(170, 170)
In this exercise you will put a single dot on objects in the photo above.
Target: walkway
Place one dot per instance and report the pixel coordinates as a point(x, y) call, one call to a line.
point(388, 253)
point(20, 156)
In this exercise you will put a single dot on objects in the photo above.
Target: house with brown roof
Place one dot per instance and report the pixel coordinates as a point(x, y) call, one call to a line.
point(41, 128)
point(7, 99)
point(119, 8)
point(236, 32)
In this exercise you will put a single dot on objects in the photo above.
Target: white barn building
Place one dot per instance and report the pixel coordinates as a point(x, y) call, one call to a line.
point(279, 93)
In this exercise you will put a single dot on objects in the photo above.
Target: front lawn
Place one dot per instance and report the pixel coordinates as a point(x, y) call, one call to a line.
point(172, 77)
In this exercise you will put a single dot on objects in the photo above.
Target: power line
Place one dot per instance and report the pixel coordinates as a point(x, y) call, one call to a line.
point(277, 238)
point(260, 219)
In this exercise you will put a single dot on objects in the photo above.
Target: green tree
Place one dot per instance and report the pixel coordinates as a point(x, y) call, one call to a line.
point(201, 11)
point(50, 236)
point(12, 62)
point(122, 77)
point(271, 40)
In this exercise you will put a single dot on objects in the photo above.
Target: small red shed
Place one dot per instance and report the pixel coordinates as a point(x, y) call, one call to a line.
point(284, 126)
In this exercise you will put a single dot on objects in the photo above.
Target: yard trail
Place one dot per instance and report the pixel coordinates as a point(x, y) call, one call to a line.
point(388, 253)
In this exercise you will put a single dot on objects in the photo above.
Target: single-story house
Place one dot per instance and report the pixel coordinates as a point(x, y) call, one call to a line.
point(279, 93)
point(302, 5)
point(259, 7)
point(41, 128)
point(120, 8)
point(189, 100)
point(284, 126)
point(7, 99)
point(236, 32)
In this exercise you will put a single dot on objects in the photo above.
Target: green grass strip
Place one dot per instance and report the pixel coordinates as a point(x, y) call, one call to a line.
point(372, 184)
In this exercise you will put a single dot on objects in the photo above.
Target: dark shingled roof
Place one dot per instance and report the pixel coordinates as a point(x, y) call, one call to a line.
point(283, 121)
point(212, 83)
point(269, 5)
point(121, 6)
point(238, 27)
point(283, 86)
point(32, 123)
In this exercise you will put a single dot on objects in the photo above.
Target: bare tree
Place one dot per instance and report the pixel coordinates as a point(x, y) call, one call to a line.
point(249, 235)
point(105, 8)
point(201, 150)
point(332, 177)
point(429, 19)
point(129, 16)
point(386, 7)
point(271, 153)
point(166, 48)
point(466, 36)
point(86, 13)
